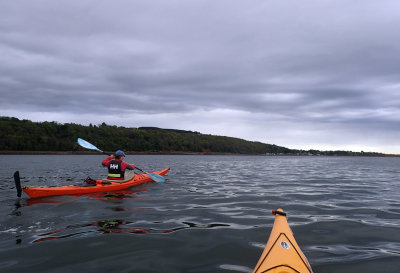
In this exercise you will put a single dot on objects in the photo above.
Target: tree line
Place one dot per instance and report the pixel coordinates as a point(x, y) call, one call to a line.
point(25, 135)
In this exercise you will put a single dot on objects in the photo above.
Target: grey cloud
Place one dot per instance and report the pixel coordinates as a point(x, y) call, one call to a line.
point(332, 63)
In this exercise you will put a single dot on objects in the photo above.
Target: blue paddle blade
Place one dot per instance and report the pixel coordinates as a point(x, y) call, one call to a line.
point(87, 145)
point(156, 177)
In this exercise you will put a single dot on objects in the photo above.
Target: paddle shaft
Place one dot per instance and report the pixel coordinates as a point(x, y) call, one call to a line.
point(87, 145)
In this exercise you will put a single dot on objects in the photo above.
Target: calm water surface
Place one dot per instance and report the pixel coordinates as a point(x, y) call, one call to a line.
point(212, 215)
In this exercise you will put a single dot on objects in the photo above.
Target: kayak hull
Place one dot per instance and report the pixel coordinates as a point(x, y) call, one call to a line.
point(282, 254)
point(101, 186)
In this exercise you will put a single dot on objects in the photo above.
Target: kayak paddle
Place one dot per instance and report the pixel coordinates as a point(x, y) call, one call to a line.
point(156, 177)
point(17, 181)
point(89, 146)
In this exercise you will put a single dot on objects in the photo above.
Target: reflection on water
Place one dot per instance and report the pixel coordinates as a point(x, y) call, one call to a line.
point(212, 215)
point(113, 226)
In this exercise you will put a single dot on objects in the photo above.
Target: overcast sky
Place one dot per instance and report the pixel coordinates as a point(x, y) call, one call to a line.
point(322, 74)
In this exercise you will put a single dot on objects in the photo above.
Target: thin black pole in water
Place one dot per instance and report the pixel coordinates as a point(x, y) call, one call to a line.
point(17, 181)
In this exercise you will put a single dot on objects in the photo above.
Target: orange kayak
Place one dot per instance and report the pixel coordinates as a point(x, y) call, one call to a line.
point(99, 186)
point(282, 253)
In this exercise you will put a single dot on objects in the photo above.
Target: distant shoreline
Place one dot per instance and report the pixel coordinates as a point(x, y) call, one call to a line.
point(97, 153)
point(54, 138)
point(177, 153)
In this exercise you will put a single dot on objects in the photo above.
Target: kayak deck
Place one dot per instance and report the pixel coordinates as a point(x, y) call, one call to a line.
point(100, 186)
point(282, 253)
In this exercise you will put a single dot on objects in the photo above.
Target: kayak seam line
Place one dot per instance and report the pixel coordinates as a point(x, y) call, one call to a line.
point(306, 264)
point(301, 256)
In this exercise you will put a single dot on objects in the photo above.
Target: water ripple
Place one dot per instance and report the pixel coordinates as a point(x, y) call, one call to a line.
point(212, 215)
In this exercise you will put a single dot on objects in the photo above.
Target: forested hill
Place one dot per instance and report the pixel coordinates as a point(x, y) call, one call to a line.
point(25, 135)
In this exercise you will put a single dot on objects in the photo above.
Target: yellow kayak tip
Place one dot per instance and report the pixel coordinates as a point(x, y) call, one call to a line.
point(282, 254)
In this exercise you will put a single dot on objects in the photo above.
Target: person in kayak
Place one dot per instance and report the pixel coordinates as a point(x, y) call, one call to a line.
point(117, 166)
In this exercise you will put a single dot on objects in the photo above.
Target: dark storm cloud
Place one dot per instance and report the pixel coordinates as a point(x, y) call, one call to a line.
point(318, 65)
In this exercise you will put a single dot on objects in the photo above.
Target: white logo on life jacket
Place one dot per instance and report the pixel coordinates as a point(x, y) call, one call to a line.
point(114, 166)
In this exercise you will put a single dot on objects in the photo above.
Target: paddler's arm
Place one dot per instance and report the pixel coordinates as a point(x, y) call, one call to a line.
point(128, 166)
point(106, 161)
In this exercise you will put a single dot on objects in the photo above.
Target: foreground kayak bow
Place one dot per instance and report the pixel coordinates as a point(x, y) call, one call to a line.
point(99, 186)
point(282, 253)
